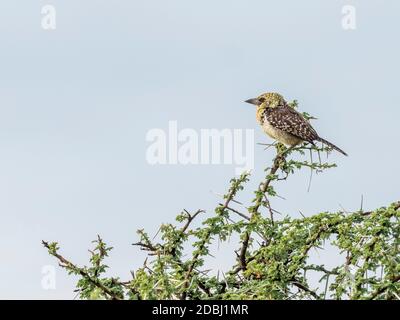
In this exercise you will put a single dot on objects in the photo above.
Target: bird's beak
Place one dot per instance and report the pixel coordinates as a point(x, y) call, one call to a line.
point(253, 101)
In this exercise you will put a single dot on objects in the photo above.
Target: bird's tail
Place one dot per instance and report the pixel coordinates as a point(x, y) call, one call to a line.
point(331, 145)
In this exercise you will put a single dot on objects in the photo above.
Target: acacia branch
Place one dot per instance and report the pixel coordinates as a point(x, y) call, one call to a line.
point(206, 238)
point(263, 188)
point(384, 287)
point(66, 264)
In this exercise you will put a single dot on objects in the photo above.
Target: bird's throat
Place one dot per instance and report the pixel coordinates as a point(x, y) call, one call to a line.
point(260, 114)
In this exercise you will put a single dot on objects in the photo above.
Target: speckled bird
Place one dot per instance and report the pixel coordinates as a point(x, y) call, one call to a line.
point(283, 123)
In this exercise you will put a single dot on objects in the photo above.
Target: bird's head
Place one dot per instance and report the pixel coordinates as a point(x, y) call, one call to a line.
point(267, 100)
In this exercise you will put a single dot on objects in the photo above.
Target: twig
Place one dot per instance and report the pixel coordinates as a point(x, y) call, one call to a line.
point(306, 289)
point(237, 212)
point(190, 218)
point(311, 173)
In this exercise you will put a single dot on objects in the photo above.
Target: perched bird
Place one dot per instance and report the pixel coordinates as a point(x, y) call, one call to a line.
point(283, 123)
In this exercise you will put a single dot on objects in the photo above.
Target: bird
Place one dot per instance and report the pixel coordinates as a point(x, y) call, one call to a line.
point(283, 123)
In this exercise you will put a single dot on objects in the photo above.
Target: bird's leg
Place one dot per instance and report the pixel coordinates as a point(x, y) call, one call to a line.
point(284, 152)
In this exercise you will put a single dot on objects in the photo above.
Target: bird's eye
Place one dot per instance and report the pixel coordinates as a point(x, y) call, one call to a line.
point(261, 99)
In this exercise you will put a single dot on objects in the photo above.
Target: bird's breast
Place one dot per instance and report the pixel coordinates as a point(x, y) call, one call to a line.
point(280, 135)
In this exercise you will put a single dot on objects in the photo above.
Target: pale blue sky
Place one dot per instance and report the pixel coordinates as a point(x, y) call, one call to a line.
point(76, 104)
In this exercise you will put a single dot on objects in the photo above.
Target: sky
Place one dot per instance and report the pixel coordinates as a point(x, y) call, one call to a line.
point(77, 103)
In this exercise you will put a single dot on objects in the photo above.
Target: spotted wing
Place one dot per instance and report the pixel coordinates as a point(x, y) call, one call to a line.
point(289, 120)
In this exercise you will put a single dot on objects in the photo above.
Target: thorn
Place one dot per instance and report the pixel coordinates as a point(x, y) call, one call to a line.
point(344, 210)
point(362, 202)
